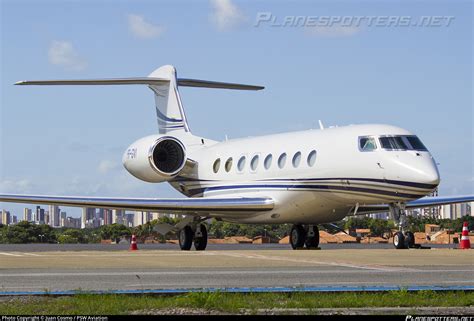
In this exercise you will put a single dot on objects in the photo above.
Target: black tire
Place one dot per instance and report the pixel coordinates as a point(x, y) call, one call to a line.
point(312, 242)
point(200, 243)
point(297, 237)
point(409, 239)
point(186, 238)
point(399, 241)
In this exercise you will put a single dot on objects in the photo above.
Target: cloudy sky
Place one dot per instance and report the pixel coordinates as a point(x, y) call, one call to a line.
point(69, 140)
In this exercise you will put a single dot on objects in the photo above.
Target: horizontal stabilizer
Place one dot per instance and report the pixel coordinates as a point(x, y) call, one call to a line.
point(215, 84)
point(111, 81)
point(142, 81)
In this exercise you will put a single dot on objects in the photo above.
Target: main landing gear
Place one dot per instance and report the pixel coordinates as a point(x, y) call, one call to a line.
point(402, 239)
point(304, 236)
point(188, 234)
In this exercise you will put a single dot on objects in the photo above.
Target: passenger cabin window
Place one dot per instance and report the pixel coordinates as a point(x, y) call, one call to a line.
point(217, 165)
point(282, 160)
point(296, 159)
point(254, 163)
point(228, 164)
point(311, 158)
point(393, 142)
point(241, 163)
point(367, 144)
point(268, 161)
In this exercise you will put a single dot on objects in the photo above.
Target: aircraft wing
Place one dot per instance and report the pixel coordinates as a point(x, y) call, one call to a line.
point(419, 203)
point(211, 206)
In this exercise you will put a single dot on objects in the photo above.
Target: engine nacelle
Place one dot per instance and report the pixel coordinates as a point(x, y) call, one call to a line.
point(155, 158)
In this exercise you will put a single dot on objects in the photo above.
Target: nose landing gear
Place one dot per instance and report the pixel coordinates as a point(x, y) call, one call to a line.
point(402, 239)
point(304, 236)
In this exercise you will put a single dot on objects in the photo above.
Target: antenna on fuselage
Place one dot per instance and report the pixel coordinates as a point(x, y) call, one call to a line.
point(321, 126)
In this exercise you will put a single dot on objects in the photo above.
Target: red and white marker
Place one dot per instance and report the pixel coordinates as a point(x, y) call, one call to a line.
point(133, 243)
point(465, 242)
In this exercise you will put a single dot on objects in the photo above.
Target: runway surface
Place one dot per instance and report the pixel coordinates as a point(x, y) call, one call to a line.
point(28, 271)
point(42, 247)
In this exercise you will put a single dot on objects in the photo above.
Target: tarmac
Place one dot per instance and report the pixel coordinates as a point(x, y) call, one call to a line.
point(23, 271)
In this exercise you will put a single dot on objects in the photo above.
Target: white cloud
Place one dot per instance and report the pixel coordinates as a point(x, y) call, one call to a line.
point(16, 186)
point(333, 31)
point(62, 53)
point(226, 15)
point(143, 29)
point(106, 166)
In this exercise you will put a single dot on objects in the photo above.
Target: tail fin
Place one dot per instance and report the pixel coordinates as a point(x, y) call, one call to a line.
point(164, 83)
point(169, 109)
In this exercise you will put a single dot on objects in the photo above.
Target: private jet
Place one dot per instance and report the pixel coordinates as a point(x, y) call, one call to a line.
point(305, 178)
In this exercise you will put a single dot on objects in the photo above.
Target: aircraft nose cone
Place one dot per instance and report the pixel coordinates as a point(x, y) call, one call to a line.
point(430, 175)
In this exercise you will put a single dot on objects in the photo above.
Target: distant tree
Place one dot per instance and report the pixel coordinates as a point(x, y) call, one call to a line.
point(380, 227)
point(67, 239)
point(73, 234)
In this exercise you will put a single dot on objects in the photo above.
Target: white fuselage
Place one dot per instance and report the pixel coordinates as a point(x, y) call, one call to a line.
point(329, 178)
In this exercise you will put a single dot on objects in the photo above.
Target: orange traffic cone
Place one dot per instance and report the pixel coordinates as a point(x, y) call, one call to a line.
point(465, 242)
point(133, 243)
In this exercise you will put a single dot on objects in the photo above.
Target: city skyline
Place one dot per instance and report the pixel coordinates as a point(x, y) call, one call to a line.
point(90, 217)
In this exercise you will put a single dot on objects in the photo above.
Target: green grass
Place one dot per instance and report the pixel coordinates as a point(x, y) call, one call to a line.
point(228, 302)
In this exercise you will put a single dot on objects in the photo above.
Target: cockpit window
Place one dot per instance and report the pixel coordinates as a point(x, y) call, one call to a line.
point(393, 142)
point(367, 143)
point(415, 143)
point(402, 143)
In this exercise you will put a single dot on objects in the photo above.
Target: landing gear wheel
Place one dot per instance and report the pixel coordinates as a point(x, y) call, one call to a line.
point(200, 243)
point(312, 242)
point(297, 236)
point(186, 238)
point(409, 240)
point(399, 241)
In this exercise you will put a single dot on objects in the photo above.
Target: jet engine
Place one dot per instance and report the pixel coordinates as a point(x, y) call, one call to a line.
point(155, 158)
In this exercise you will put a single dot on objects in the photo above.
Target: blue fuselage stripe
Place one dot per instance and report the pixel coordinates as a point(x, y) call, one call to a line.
point(376, 180)
point(198, 191)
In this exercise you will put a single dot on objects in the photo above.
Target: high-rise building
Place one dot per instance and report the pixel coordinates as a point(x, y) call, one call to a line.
point(88, 217)
point(54, 212)
point(445, 212)
point(138, 218)
point(107, 216)
point(100, 213)
point(155, 216)
point(62, 219)
point(71, 222)
point(27, 215)
point(39, 215)
point(464, 209)
point(454, 211)
point(141, 218)
point(128, 219)
point(118, 216)
point(5, 218)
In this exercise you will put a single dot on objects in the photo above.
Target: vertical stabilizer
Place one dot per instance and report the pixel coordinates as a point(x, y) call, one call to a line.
point(169, 110)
